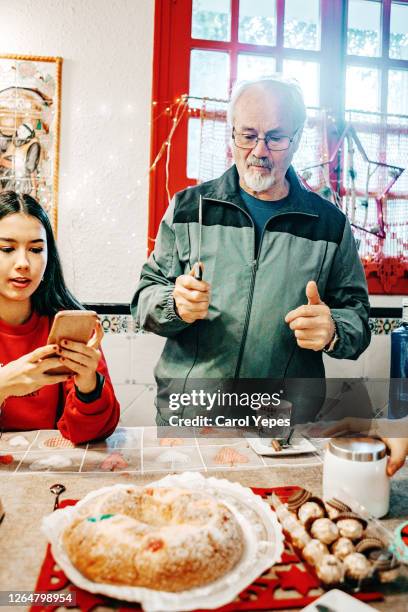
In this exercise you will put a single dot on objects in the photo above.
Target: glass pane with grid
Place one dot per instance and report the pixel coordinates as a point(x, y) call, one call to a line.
point(193, 148)
point(398, 92)
point(209, 75)
point(399, 31)
point(251, 66)
point(364, 27)
point(257, 22)
point(362, 88)
point(307, 75)
point(211, 20)
point(302, 24)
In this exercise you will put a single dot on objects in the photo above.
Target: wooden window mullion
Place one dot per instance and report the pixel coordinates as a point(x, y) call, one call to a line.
point(234, 42)
point(280, 25)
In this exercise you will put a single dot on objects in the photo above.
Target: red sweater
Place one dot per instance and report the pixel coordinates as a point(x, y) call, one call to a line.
point(79, 421)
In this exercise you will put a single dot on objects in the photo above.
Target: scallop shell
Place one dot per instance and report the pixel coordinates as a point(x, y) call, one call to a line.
point(337, 504)
point(383, 560)
point(367, 544)
point(298, 498)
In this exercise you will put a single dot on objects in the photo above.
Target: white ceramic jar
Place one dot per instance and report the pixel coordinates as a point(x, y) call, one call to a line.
point(357, 466)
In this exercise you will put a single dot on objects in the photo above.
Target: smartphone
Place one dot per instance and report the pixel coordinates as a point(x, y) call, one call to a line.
point(76, 325)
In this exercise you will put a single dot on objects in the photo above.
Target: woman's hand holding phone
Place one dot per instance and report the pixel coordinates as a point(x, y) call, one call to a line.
point(82, 359)
point(29, 373)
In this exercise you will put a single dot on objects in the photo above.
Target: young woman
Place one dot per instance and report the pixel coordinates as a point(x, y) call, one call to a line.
point(32, 290)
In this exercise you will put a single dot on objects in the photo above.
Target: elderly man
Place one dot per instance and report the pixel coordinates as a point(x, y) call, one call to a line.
point(282, 280)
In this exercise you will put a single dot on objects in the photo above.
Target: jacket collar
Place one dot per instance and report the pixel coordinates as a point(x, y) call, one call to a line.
point(227, 188)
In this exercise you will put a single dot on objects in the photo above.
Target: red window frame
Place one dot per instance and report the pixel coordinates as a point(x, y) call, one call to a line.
point(171, 67)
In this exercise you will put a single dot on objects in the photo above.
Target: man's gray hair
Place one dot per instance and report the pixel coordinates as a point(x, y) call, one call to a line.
point(288, 89)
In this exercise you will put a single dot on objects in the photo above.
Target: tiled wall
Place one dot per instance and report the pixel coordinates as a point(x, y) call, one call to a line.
point(124, 324)
point(132, 356)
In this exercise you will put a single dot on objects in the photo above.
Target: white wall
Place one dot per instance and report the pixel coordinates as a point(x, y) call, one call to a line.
point(107, 48)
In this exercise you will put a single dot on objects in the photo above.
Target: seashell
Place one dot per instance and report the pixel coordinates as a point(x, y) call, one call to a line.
point(18, 441)
point(385, 576)
point(383, 560)
point(337, 504)
point(57, 442)
point(229, 456)
point(298, 498)
point(367, 544)
point(334, 507)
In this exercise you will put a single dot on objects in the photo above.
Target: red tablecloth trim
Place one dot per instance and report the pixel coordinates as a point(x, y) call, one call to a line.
point(265, 593)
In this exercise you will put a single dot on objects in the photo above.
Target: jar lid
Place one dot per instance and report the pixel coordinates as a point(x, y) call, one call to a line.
point(358, 449)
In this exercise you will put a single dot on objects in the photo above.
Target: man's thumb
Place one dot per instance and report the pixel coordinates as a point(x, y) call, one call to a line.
point(195, 270)
point(312, 294)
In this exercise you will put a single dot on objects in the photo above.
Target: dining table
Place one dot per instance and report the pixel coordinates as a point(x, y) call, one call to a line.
point(26, 498)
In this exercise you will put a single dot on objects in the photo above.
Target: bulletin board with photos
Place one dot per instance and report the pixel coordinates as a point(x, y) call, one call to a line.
point(30, 116)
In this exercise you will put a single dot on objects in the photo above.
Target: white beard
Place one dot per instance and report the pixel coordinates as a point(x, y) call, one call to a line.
point(259, 182)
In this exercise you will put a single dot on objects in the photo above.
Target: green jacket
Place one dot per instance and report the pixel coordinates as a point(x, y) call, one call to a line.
point(245, 335)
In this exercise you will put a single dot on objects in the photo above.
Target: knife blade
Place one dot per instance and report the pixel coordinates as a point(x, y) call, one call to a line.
point(198, 273)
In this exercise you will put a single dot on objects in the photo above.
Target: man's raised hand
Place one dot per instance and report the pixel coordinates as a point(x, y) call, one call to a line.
point(312, 323)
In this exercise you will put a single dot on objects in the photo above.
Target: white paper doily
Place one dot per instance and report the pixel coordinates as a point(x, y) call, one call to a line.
point(263, 546)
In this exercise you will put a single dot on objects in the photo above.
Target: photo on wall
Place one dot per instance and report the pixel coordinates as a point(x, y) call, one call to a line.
point(30, 109)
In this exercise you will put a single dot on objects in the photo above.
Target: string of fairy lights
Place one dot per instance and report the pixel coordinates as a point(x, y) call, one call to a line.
point(361, 186)
point(176, 111)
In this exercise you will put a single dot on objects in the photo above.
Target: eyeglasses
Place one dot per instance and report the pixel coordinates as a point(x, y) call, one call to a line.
point(272, 143)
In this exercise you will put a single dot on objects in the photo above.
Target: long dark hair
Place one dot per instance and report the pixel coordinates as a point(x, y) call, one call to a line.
point(52, 294)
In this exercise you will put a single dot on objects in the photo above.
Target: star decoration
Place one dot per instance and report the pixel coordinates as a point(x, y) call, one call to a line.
point(85, 601)
point(300, 581)
point(393, 173)
point(262, 588)
point(114, 461)
point(171, 442)
point(229, 456)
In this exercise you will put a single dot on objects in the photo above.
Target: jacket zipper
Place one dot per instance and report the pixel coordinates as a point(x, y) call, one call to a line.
point(247, 316)
point(251, 288)
point(254, 267)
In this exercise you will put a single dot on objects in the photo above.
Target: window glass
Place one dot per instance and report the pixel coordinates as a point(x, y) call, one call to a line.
point(364, 25)
point(193, 148)
point(211, 19)
point(302, 24)
point(257, 22)
point(399, 31)
point(209, 75)
point(362, 88)
point(307, 75)
point(208, 153)
point(254, 66)
point(398, 92)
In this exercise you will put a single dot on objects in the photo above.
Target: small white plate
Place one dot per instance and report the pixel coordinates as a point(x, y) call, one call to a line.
point(262, 446)
point(338, 601)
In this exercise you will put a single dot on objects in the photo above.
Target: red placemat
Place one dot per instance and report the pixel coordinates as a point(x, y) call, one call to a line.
point(288, 584)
